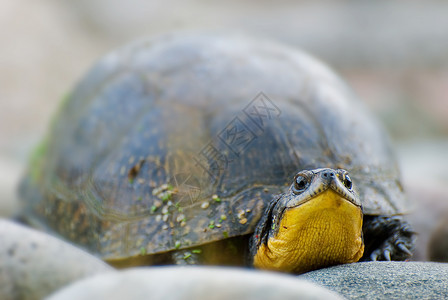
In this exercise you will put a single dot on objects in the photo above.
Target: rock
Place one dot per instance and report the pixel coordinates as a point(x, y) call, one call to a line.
point(34, 264)
point(429, 217)
point(425, 181)
point(438, 243)
point(192, 283)
point(385, 280)
point(10, 172)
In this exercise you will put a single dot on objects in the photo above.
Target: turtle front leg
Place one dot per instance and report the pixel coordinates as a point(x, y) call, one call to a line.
point(387, 238)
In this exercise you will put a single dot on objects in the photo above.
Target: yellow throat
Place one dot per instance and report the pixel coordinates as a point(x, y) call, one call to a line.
point(324, 231)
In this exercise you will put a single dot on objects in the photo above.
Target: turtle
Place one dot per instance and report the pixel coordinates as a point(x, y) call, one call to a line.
point(191, 148)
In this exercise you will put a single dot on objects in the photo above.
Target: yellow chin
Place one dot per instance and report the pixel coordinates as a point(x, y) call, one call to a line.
point(325, 231)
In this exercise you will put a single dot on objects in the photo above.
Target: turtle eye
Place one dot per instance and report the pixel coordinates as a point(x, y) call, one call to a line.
point(300, 184)
point(348, 182)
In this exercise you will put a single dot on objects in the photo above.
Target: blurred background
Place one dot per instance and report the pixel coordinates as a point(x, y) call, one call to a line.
point(394, 54)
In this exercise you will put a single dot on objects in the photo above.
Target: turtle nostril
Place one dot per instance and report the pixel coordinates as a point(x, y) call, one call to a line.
point(328, 174)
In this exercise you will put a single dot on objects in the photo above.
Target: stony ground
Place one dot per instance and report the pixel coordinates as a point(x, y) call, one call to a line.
point(34, 265)
point(385, 280)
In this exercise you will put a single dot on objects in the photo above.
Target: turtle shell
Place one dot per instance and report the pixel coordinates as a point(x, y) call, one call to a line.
point(183, 140)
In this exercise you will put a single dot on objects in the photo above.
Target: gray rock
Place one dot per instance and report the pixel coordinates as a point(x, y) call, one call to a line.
point(10, 171)
point(34, 264)
point(171, 283)
point(385, 280)
point(424, 166)
point(429, 219)
point(438, 243)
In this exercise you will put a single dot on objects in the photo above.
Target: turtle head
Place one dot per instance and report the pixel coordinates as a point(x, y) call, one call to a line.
point(309, 184)
point(317, 222)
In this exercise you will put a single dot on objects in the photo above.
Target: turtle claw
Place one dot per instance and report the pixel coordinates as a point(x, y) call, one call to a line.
point(407, 229)
point(386, 255)
point(383, 253)
point(403, 248)
point(397, 247)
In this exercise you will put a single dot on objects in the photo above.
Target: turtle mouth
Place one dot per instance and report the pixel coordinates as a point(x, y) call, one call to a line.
point(342, 191)
point(313, 194)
